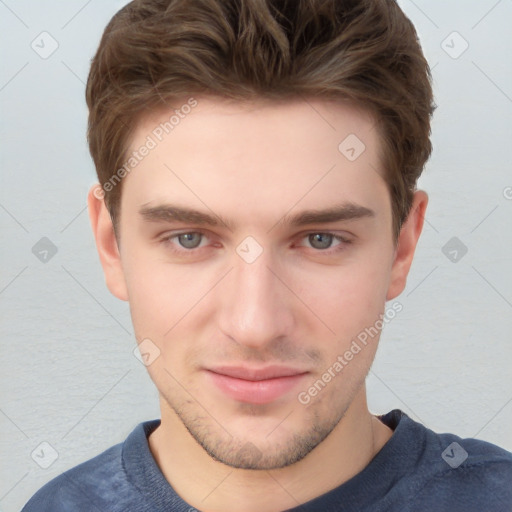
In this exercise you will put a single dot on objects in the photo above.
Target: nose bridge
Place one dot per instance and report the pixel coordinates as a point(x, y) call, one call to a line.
point(254, 307)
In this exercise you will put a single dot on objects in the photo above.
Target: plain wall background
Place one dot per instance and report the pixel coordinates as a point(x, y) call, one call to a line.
point(68, 373)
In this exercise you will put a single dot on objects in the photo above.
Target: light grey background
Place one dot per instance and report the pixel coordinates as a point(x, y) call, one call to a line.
point(68, 374)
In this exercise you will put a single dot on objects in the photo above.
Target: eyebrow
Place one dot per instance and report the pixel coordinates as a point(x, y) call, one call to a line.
point(345, 211)
point(172, 213)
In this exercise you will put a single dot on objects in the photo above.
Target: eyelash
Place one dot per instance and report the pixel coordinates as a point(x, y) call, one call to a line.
point(343, 242)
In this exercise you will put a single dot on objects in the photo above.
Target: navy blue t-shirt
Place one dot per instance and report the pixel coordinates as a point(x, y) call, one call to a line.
point(417, 470)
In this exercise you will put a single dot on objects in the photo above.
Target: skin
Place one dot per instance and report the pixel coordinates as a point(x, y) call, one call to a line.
point(255, 165)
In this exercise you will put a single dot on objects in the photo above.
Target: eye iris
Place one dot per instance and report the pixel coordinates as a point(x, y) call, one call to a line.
point(320, 240)
point(190, 240)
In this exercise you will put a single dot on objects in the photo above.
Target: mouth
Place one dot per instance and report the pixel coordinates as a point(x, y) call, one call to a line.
point(255, 385)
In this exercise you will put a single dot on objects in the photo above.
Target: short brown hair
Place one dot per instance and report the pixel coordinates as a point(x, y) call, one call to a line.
point(363, 51)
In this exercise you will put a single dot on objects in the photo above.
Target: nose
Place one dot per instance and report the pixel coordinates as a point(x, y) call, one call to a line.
point(255, 308)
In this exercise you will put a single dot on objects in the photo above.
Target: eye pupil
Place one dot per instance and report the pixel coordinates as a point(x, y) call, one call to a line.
point(320, 240)
point(189, 240)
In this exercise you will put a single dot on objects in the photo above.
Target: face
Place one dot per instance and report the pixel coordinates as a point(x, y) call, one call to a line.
point(254, 249)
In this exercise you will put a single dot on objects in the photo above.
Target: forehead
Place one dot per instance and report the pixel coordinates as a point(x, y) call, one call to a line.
point(281, 122)
point(260, 157)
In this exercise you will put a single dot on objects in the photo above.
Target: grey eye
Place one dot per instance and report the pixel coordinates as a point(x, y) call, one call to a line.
point(320, 240)
point(190, 240)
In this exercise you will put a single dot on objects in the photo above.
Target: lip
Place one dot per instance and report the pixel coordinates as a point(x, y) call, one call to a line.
point(255, 385)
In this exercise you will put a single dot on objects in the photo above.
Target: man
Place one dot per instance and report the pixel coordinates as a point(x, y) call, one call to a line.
point(258, 207)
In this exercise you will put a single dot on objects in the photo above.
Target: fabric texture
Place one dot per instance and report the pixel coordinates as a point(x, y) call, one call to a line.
point(417, 470)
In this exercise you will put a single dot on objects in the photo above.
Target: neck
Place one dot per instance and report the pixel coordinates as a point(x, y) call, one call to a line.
point(207, 484)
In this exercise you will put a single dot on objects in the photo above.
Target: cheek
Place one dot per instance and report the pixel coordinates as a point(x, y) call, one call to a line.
point(160, 294)
point(164, 303)
point(347, 298)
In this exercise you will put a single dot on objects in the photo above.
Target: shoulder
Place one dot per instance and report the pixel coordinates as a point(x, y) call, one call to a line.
point(78, 488)
point(96, 485)
point(461, 474)
point(473, 476)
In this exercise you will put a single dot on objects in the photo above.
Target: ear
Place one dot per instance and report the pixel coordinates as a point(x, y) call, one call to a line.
point(106, 243)
point(404, 252)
